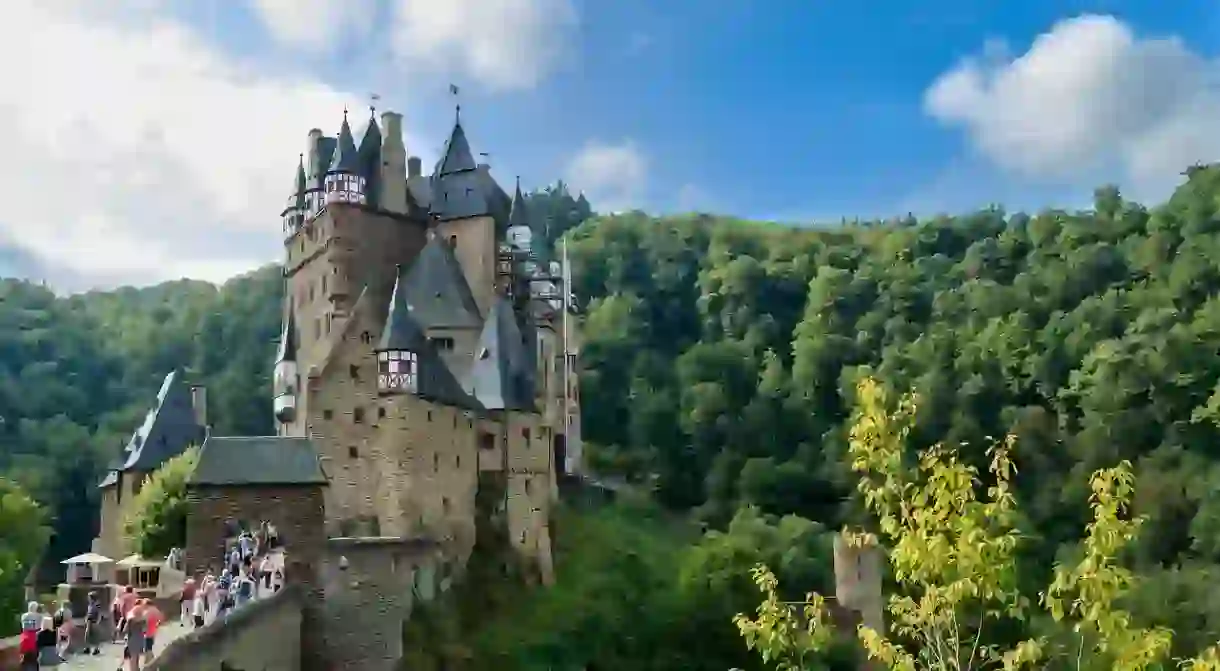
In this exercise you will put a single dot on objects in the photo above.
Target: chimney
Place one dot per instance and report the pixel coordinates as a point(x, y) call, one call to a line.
point(415, 166)
point(199, 402)
point(311, 154)
point(391, 130)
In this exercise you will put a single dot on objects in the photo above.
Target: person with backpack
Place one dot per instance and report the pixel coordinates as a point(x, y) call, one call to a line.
point(93, 617)
point(245, 589)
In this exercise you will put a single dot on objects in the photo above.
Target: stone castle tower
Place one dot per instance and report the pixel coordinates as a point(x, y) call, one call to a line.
point(425, 348)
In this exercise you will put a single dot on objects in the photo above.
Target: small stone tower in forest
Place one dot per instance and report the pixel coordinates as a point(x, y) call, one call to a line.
point(858, 579)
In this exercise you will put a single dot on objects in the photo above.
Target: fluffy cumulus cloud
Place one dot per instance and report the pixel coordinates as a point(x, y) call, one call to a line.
point(315, 25)
point(612, 174)
point(502, 44)
point(138, 152)
point(1089, 98)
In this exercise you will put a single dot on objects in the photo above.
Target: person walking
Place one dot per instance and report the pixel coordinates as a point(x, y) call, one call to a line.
point(153, 617)
point(135, 631)
point(48, 654)
point(93, 620)
point(63, 628)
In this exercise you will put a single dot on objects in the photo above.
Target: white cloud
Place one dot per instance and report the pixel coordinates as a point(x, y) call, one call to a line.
point(613, 175)
point(314, 24)
point(1088, 98)
point(137, 152)
point(502, 44)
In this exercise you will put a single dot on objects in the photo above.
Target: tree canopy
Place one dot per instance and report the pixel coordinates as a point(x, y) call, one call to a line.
point(718, 370)
point(158, 515)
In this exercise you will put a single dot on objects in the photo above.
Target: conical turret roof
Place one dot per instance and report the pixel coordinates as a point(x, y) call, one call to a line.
point(346, 158)
point(457, 156)
point(518, 214)
point(288, 339)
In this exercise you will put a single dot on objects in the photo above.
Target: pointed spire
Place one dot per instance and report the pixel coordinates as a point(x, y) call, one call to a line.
point(302, 182)
point(288, 339)
point(518, 214)
point(401, 331)
point(345, 158)
point(457, 156)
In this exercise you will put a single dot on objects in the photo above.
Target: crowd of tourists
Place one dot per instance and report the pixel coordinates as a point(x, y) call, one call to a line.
point(251, 567)
point(44, 635)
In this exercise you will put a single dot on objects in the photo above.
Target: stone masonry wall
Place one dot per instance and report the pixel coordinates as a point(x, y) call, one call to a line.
point(371, 585)
point(262, 636)
point(297, 512)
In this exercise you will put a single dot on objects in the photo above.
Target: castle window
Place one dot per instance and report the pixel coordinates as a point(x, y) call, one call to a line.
point(436, 462)
point(353, 452)
point(455, 420)
point(523, 538)
point(429, 415)
point(380, 413)
point(487, 441)
point(353, 371)
point(527, 487)
point(445, 504)
point(457, 461)
point(453, 241)
point(323, 285)
point(441, 343)
point(525, 434)
point(345, 188)
point(358, 415)
point(311, 291)
point(327, 414)
point(366, 338)
point(397, 371)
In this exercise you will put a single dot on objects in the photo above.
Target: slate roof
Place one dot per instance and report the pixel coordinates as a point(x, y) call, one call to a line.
point(457, 156)
point(345, 157)
point(502, 375)
point(167, 430)
point(460, 195)
point(369, 155)
point(297, 197)
point(288, 339)
point(459, 188)
point(436, 289)
point(257, 460)
point(403, 332)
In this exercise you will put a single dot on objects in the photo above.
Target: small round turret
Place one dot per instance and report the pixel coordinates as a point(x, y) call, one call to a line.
point(295, 210)
point(344, 183)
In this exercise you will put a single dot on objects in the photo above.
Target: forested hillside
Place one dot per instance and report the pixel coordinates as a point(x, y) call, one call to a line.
point(719, 363)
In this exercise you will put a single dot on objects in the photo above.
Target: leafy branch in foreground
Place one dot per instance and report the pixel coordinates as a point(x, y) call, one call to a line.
point(953, 556)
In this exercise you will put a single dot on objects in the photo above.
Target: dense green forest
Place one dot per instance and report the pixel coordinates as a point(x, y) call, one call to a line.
point(719, 364)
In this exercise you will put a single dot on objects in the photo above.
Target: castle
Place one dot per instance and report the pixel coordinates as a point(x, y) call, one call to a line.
point(425, 358)
point(424, 347)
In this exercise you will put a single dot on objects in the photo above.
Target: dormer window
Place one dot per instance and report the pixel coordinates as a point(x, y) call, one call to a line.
point(397, 372)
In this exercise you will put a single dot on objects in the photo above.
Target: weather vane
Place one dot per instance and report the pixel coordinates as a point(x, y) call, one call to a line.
point(373, 98)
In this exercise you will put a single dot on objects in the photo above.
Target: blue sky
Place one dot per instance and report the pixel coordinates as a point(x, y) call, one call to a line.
point(785, 108)
point(779, 109)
